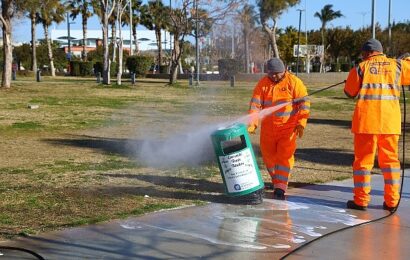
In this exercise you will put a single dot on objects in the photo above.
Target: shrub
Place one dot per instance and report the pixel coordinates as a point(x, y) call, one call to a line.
point(75, 68)
point(86, 68)
point(139, 65)
point(98, 67)
point(163, 69)
point(228, 68)
point(113, 69)
point(345, 67)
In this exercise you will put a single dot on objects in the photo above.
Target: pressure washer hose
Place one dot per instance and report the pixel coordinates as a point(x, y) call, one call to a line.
point(22, 250)
point(401, 185)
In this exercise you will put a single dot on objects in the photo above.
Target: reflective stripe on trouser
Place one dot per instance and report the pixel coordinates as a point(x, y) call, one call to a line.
point(365, 146)
point(278, 156)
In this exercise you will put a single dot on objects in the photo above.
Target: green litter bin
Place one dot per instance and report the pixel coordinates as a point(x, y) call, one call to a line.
point(236, 160)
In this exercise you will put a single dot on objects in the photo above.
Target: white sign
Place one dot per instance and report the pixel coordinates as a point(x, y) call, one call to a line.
point(239, 171)
point(304, 50)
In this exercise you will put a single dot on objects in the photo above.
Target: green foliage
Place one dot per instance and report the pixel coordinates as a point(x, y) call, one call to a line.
point(139, 64)
point(286, 41)
point(98, 67)
point(22, 55)
point(60, 60)
point(274, 8)
point(81, 68)
point(228, 68)
point(75, 68)
point(113, 69)
point(163, 69)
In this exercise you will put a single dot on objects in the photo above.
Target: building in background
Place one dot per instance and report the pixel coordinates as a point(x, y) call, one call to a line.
point(146, 40)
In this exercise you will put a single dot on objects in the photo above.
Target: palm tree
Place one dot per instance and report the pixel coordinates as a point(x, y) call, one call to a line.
point(326, 15)
point(82, 7)
point(248, 18)
point(154, 17)
point(8, 11)
point(32, 8)
point(136, 19)
point(50, 11)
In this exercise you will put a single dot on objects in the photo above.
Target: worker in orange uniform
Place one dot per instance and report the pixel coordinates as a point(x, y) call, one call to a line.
point(376, 123)
point(280, 128)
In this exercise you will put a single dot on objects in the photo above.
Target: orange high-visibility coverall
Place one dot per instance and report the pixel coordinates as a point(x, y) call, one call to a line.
point(277, 139)
point(376, 124)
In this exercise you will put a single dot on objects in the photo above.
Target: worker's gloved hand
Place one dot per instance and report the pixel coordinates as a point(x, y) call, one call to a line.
point(252, 129)
point(299, 130)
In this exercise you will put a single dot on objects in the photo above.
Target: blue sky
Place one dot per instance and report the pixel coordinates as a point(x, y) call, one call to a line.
point(356, 14)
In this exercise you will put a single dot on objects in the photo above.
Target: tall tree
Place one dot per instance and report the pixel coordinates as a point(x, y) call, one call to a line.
point(182, 20)
point(31, 8)
point(50, 11)
point(248, 18)
point(326, 15)
point(154, 16)
point(9, 8)
point(272, 10)
point(104, 10)
point(82, 7)
point(136, 19)
point(121, 7)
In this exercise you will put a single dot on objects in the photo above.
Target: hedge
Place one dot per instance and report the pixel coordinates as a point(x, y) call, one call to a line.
point(228, 68)
point(139, 65)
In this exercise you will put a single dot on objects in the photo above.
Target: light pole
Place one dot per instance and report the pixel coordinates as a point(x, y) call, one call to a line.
point(373, 19)
point(131, 25)
point(390, 48)
point(69, 38)
point(196, 42)
point(298, 50)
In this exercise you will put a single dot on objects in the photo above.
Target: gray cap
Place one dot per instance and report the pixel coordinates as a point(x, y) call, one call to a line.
point(372, 45)
point(275, 65)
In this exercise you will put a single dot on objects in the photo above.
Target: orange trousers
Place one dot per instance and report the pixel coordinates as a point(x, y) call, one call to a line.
point(278, 155)
point(365, 146)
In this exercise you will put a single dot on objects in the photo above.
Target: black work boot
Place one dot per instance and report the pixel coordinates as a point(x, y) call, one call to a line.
point(391, 209)
point(351, 205)
point(278, 194)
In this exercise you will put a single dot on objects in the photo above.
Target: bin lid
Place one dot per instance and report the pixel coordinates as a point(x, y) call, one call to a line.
point(230, 131)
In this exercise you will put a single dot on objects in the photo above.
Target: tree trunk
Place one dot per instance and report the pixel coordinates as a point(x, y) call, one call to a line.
point(134, 34)
point(120, 53)
point(272, 38)
point(84, 52)
point(50, 51)
point(33, 43)
point(7, 52)
point(322, 57)
point(114, 41)
point(246, 38)
point(106, 66)
point(159, 45)
point(176, 53)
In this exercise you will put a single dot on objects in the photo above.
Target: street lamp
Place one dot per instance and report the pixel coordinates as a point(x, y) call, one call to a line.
point(300, 20)
point(69, 38)
point(196, 42)
point(373, 19)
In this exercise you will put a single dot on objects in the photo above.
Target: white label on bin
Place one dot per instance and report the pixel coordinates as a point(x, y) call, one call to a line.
point(239, 171)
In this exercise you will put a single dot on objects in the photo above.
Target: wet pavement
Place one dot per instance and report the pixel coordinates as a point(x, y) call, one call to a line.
point(224, 231)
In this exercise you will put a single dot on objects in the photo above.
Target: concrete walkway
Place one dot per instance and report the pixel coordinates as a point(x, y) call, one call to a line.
point(221, 231)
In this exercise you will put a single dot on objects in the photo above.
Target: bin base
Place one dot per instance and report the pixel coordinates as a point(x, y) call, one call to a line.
point(253, 198)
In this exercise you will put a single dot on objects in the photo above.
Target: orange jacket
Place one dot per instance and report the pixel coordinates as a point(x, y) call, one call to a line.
point(267, 94)
point(375, 82)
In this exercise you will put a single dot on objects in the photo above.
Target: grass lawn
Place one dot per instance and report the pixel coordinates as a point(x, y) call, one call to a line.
point(92, 153)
